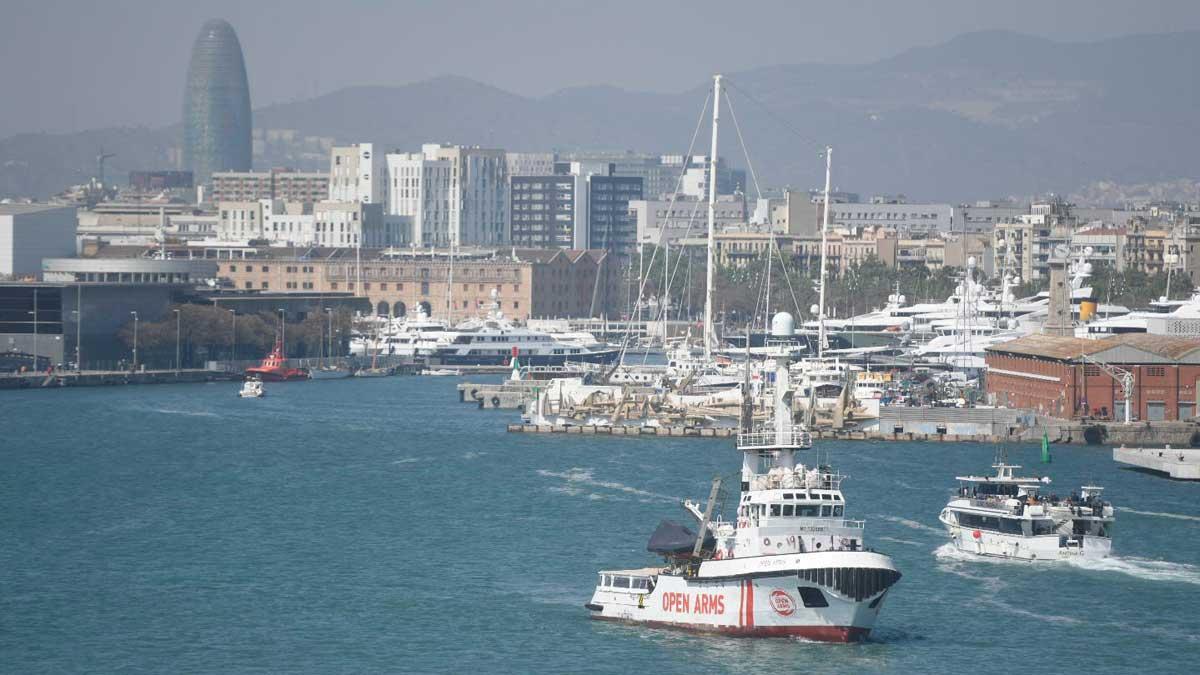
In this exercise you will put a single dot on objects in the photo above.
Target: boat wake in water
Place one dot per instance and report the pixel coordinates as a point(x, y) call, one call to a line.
point(190, 413)
point(1142, 568)
point(912, 524)
point(1157, 514)
point(577, 477)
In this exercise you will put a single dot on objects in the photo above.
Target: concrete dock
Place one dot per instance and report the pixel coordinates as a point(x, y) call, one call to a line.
point(1178, 463)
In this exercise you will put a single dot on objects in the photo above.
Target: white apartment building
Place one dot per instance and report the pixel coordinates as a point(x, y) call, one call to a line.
point(449, 194)
point(323, 224)
point(356, 174)
point(687, 217)
point(529, 163)
point(903, 217)
point(31, 232)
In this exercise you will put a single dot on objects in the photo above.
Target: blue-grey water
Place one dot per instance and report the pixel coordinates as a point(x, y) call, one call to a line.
point(380, 526)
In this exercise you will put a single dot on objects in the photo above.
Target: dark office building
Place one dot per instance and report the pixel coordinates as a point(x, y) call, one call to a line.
point(543, 211)
point(216, 104)
point(610, 225)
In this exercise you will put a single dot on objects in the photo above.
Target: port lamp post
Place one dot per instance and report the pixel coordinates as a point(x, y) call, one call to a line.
point(135, 338)
point(282, 334)
point(178, 316)
point(233, 336)
point(36, 341)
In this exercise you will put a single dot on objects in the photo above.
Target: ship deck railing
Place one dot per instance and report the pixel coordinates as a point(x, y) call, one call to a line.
point(792, 436)
point(762, 481)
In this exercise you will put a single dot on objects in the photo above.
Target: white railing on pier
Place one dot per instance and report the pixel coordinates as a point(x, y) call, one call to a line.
point(792, 436)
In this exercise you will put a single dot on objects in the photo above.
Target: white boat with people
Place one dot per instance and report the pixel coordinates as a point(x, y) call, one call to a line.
point(1006, 516)
point(252, 388)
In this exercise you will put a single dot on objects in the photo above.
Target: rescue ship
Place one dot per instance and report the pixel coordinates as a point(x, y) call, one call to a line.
point(274, 368)
point(791, 564)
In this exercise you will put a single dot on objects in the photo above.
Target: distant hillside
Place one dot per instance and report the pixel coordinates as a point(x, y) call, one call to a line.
point(985, 114)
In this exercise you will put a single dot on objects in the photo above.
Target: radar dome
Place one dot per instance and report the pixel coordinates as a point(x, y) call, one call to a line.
point(782, 325)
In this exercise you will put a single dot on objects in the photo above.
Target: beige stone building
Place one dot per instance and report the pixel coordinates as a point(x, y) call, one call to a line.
point(535, 284)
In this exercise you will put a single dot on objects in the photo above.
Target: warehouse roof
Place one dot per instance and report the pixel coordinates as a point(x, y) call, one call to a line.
point(1125, 345)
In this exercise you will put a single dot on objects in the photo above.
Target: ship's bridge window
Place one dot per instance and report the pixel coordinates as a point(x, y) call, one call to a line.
point(621, 582)
point(807, 511)
point(775, 509)
point(1043, 527)
point(837, 511)
point(787, 509)
point(789, 495)
point(826, 496)
point(825, 510)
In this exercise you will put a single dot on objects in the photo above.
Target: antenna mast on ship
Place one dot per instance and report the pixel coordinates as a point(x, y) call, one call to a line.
point(712, 218)
point(824, 231)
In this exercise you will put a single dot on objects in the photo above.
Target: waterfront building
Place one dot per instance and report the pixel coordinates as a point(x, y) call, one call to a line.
point(44, 318)
point(1151, 250)
point(449, 195)
point(284, 184)
point(1060, 376)
point(216, 104)
point(663, 221)
point(357, 173)
point(531, 283)
point(892, 212)
point(31, 232)
point(583, 205)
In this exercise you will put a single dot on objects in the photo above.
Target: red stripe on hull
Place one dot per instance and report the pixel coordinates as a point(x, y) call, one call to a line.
point(750, 604)
point(817, 633)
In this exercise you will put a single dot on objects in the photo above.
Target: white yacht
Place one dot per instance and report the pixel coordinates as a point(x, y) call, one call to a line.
point(1005, 516)
point(495, 341)
point(412, 336)
point(791, 564)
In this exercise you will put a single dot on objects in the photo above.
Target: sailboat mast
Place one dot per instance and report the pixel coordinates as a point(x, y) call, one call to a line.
point(824, 231)
point(712, 220)
point(450, 285)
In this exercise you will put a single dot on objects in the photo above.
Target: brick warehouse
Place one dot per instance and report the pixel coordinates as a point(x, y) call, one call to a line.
point(1051, 375)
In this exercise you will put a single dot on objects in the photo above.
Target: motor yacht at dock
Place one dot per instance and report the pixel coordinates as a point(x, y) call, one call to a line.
point(791, 564)
point(1005, 516)
point(495, 341)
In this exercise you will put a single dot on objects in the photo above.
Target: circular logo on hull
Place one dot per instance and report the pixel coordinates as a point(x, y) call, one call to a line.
point(782, 603)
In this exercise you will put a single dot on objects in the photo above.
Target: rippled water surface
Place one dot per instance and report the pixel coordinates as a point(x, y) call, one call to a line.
point(379, 526)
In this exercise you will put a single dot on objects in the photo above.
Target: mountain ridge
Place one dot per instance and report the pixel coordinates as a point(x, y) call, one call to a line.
point(989, 113)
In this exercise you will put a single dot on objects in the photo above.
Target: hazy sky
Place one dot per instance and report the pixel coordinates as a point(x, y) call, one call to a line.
point(80, 65)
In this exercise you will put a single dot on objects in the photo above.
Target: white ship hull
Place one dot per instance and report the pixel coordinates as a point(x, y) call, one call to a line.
point(1043, 548)
point(833, 596)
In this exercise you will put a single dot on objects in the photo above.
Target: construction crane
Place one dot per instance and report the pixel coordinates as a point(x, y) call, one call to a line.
point(100, 159)
point(1121, 376)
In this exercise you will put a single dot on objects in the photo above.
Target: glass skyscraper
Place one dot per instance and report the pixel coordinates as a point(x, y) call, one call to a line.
point(216, 104)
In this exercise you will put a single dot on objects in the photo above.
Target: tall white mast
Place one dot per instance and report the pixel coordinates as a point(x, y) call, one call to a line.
point(824, 230)
point(450, 284)
point(712, 220)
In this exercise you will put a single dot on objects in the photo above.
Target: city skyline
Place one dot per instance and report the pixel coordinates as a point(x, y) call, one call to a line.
point(117, 66)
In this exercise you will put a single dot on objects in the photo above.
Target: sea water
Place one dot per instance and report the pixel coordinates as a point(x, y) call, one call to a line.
point(378, 525)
